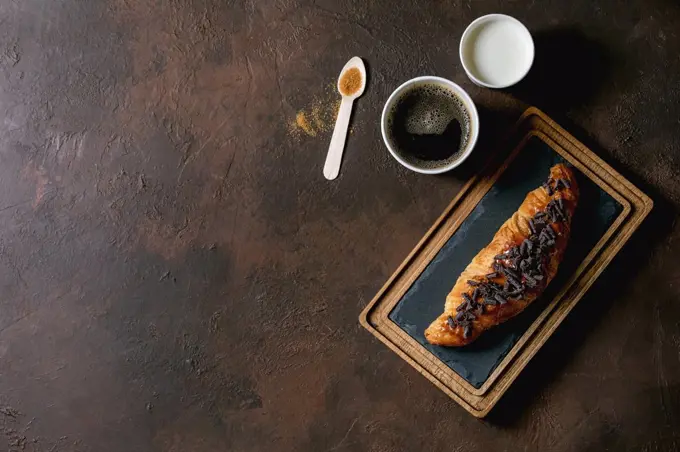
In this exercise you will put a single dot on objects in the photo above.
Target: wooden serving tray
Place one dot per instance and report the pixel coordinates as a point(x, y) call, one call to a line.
point(476, 376)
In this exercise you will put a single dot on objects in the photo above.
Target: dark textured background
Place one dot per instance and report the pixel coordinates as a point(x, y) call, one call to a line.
point(176, 274)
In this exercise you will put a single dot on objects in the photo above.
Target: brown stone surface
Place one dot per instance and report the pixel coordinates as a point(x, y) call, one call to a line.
point(177, 275)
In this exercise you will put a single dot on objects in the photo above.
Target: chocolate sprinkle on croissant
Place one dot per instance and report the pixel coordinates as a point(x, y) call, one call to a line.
point(468, 331)
point(523, 266)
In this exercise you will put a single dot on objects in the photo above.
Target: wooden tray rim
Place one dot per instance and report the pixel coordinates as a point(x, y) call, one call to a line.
point(481, 406)
point(383, 311)
point(420, 263)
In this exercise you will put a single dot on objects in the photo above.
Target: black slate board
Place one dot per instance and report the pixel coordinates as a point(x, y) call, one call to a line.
point(424, 300)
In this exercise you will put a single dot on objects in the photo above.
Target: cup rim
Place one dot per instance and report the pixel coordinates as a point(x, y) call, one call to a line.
point(466, 34)
point(474, 124)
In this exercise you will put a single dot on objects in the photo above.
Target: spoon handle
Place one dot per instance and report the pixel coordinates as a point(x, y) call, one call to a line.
point(334, 157)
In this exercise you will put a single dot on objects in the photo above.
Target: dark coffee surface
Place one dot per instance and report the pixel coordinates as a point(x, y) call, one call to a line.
point(430, 125)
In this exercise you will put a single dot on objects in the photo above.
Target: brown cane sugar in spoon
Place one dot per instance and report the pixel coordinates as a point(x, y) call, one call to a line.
point(351, 81)
point(351, 84)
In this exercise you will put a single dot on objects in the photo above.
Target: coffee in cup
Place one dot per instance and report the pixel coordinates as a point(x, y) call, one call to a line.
point(430, 124)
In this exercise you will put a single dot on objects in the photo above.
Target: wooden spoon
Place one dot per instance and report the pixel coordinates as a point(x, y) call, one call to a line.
point(334, 157)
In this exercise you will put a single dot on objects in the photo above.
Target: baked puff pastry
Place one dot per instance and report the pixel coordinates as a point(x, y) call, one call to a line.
point(515, 268)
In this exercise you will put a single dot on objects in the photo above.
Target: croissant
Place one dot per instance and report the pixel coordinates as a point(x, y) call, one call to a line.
point(515, 268)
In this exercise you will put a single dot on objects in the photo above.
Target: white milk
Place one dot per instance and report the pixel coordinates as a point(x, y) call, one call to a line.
point(498, 52)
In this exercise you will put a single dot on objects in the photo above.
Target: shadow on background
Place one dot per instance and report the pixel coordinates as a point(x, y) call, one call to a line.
point(569, 69)
point(496, 128)
point(616, 280)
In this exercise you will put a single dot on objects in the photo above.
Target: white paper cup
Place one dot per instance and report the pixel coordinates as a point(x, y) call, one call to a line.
point(432, 166)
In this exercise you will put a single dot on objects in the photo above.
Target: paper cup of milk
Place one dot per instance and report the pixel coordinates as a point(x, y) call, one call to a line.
point(497, 51)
